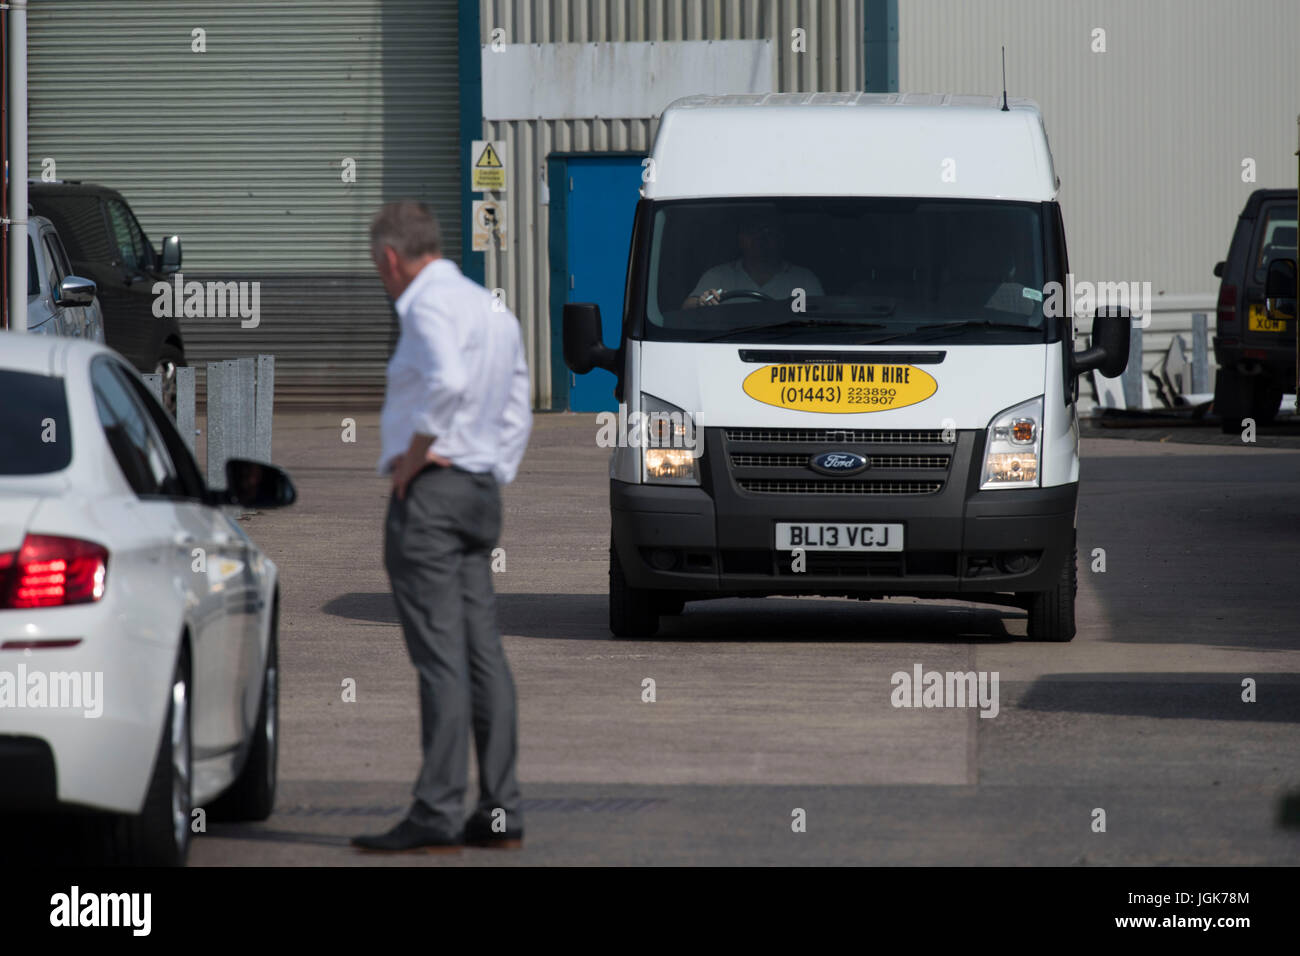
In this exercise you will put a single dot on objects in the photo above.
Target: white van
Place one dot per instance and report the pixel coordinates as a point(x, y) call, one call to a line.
point(847, 362)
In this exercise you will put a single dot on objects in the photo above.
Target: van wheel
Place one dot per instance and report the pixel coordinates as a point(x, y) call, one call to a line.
point(1051, 613)
point(671, 605)
point(252, 795)
point(160, 834)
point(633, 612)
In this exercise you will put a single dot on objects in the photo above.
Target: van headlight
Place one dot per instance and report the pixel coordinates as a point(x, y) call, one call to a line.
point(671, 444)
point(1015, 438)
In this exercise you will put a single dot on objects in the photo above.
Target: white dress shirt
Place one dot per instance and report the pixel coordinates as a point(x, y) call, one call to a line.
point(459, 374)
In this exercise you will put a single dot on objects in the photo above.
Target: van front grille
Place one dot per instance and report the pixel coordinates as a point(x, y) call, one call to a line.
point(778, 460)
point(809, 486)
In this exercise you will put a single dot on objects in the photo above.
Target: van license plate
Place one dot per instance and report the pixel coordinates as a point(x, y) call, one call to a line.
point(839, 537)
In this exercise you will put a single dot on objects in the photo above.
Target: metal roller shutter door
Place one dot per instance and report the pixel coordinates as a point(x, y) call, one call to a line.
point(241, 149)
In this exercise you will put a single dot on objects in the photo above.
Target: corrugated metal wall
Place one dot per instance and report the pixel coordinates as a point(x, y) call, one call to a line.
point(239, 149)
point(1149, 136)
point(832, 63)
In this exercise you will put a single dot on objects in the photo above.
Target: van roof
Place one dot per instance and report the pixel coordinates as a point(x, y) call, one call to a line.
point(852, 144)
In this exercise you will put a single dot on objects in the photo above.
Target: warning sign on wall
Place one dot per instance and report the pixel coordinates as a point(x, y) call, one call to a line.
point(488, 166)
point(489, 225)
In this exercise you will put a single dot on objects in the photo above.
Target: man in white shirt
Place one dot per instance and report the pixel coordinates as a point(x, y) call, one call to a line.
point(760, 267)
point(454, 427)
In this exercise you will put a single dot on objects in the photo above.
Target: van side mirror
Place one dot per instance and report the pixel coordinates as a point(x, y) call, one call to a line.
point(1280, 290)
point(1111, 328)
point(584, 348)
point(171, 255)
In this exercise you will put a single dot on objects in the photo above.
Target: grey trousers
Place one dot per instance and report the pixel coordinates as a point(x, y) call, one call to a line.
point(438, 545)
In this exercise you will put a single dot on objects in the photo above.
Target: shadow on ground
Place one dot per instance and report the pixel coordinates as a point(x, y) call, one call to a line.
point(584, 617)
point(1168, 695)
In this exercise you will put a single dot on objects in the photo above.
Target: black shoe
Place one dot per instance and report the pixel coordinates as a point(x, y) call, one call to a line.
point(479, 832)
point(409, 837)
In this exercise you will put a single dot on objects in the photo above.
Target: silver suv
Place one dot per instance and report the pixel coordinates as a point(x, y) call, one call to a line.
point(58, 302)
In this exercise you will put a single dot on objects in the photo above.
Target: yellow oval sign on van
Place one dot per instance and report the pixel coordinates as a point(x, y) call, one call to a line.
point(840, 387)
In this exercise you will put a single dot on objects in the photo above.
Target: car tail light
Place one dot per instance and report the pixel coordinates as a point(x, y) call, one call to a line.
point(51, 571)
point(1227, 311)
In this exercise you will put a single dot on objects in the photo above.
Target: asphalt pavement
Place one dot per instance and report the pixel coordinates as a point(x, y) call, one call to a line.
point(772, 713)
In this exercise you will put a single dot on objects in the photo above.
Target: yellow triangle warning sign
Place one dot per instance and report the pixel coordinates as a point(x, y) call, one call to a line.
point(488, 174)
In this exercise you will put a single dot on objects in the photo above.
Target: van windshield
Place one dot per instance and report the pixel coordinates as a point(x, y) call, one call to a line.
point(846, 271)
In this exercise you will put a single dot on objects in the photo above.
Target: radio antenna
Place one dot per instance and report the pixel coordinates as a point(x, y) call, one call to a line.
point(1005, 108)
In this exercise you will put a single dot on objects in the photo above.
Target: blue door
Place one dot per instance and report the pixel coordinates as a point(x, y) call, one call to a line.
point(602, 198)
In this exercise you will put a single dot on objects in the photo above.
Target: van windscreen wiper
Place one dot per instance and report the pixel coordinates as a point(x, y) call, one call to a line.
point(792, 324)
point(962, 324)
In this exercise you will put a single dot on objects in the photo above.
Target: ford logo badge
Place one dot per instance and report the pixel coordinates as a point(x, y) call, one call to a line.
point(839, 463)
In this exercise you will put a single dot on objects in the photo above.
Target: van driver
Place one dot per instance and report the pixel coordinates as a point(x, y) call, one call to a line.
point(760, 267)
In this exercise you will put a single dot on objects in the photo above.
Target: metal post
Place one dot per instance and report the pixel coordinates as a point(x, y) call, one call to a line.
point(1133, 373)
point(17, 65)
point(218, 437)
point(264, 402)
point(185, 404)
point(1200, 353)
point(244, 445)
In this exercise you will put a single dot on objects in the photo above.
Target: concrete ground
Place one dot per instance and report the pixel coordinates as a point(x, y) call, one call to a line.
point(767, 708)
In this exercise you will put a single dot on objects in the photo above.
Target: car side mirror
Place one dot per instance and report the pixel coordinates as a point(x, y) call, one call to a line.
point(171, 255)
point(584, 348)
point(255, 484)
point(74, 290)
point(1218, 269)
point(1280, 289)
point(1111, 328)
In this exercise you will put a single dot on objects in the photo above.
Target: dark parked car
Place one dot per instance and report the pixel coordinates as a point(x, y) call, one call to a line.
point(1256, 351)
point(107, 245)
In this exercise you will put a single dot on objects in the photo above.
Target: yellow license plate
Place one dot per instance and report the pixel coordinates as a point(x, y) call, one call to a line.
point(1260, 322)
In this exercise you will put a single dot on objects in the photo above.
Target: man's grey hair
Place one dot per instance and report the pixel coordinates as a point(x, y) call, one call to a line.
point(410, 227)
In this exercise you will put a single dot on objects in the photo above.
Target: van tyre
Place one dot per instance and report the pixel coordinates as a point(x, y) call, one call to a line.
point(160, 834)
point(670, 604)
point(252, 796)
point(633, 612)
point(1051, 613)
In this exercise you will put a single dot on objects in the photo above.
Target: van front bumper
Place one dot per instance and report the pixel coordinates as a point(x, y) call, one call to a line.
point(673, 539)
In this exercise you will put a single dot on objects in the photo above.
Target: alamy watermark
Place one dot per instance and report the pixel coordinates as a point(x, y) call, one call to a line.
point(179, 299)
point(652, 429)
point(923, 688)
point(22, 689)
point(1076, 297)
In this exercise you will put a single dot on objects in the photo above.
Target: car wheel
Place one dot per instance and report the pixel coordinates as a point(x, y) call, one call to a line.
point(1233, 397)
point(633, 612)
point(1051, 613)
point(160, 834)
point(252, 795)
point(1266, 400)
point(169, 360)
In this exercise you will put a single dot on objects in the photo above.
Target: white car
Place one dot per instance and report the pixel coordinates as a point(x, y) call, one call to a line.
point(138, 622)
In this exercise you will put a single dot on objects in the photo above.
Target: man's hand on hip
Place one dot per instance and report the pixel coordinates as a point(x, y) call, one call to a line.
point(407, 466)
